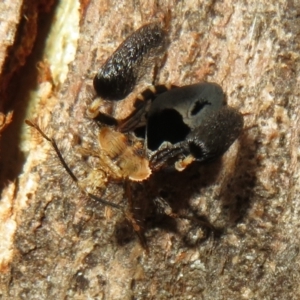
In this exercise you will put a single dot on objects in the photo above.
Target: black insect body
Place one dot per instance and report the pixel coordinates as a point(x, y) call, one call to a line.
point(119, 74)
point(193, 121)
point(185, 124)
point(179, 126)
point(174, 114)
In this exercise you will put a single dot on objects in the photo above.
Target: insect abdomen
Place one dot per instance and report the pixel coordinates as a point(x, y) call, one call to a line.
point(118, 76)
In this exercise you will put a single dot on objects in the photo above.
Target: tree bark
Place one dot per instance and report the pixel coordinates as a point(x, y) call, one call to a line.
point(237, 233)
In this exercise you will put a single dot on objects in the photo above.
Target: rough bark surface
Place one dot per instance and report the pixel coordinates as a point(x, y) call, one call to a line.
point(58, 244)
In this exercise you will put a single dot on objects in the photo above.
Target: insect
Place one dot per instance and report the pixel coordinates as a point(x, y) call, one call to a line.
point(170, 127)
point(184, 124)
point(119, 74)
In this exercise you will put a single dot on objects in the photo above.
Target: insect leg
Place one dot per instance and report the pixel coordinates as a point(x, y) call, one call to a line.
point(143, 101)
point(138, 117)
point(131, 217)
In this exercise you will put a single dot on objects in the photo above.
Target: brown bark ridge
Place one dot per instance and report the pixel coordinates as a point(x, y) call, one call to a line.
point(237, 233)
